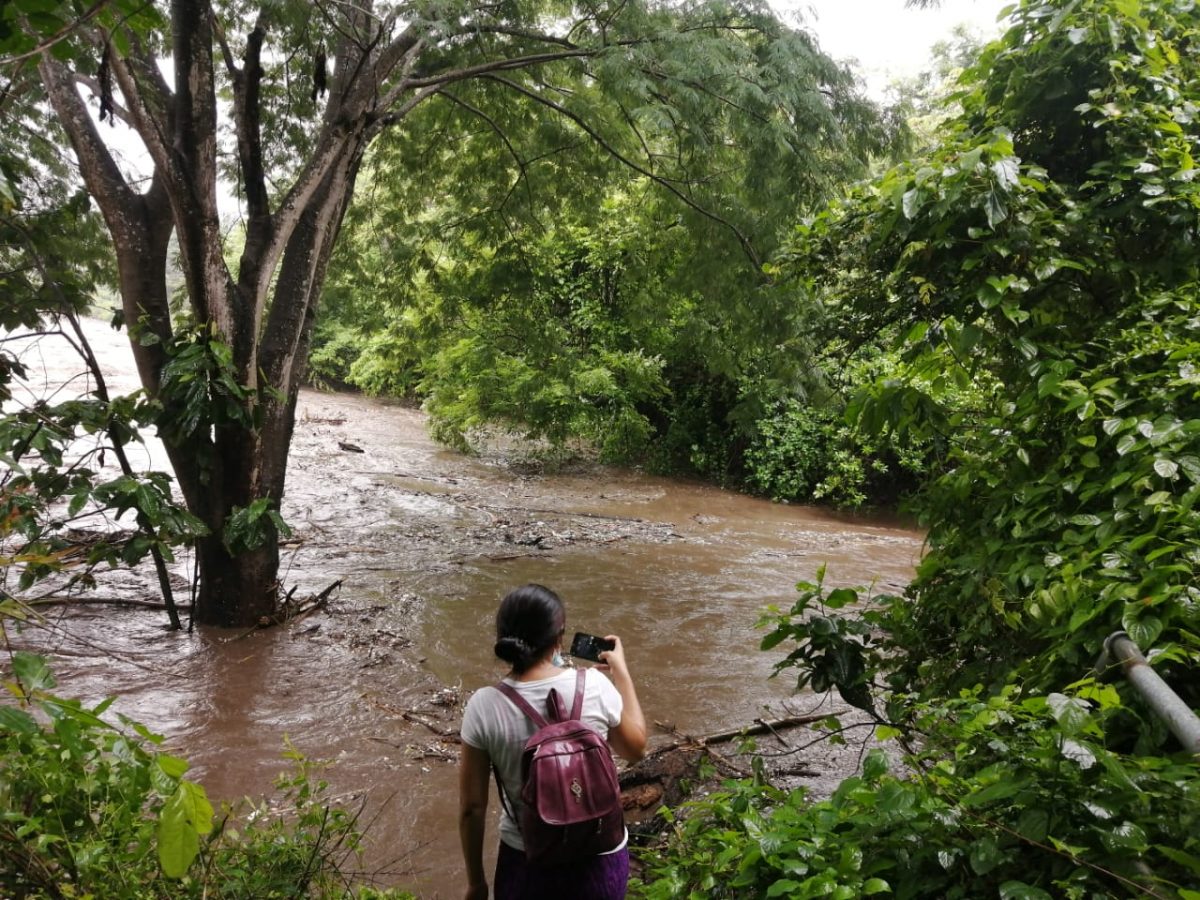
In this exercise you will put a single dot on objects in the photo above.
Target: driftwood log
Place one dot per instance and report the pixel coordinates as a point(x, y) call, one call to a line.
point(662, 777)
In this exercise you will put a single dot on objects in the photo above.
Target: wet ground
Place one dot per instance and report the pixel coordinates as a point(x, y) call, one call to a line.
point(425, 541)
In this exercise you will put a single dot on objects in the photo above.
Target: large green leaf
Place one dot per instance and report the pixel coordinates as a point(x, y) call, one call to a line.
point(186, 816)
point(33, 671)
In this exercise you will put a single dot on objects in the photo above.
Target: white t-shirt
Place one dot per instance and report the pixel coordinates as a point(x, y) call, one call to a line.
point(492, 723)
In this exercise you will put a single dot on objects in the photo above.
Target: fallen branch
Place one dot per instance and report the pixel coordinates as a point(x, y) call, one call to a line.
point(410, 716)
point(760, 726)
point(307, 608)
point(323, 597)
point(434, 753)
point(55, 600)
point(720, 761)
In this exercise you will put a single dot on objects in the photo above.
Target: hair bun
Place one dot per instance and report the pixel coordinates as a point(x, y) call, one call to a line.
point(529, 623)
point(514, 650)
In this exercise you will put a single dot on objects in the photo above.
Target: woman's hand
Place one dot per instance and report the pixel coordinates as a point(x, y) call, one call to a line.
point(614, 660)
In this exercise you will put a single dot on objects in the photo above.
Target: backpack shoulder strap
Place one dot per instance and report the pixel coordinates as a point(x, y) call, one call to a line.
point(577, 706)
point(522, 704)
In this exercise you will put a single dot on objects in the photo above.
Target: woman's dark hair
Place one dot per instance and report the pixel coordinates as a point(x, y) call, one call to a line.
point(529, 622)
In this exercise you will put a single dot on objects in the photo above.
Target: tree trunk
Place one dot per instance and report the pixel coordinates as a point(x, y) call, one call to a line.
point(239, 587)
point(251, 463)
point(237, 591)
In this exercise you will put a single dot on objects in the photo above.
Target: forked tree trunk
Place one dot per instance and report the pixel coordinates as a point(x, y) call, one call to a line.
point(223, 467)
point(265, 314)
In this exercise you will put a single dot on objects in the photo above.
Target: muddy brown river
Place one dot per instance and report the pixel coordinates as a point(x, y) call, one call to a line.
point(425, 541)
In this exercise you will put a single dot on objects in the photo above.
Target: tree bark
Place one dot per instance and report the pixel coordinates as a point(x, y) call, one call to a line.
point(236, 591)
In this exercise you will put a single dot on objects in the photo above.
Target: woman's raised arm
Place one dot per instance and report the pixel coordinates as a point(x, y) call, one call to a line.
point(628, 739)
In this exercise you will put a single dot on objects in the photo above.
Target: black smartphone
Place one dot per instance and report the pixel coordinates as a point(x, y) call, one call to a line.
point(588, 646)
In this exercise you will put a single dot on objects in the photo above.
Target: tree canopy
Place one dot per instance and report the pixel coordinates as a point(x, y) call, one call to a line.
point(717, 106)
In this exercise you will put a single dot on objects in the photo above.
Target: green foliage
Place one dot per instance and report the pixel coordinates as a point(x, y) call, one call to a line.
point(1011, 795)
point(528, 280)
point(248, 528)
point(1038, 274)
point(833, 651)
point(52, 248)
point(804, 452)
point(79, 798)
point(88, 808)
point(199, 389)
point(54, 483)
point(556, 339)
point(594, 333)
point(53, 258)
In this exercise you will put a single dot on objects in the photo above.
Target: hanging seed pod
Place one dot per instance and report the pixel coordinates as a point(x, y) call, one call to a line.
point(319, 74)
point(104, 78)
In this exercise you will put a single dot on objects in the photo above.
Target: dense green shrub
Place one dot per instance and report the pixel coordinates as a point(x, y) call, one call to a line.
point(694, 435)
point(1008, 793)
point(1042, 263)
point(1014, 796)
point(811, 453)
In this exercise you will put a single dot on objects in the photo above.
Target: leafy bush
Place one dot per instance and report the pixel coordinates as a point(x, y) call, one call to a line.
point(54, 484)
point(811, 453)
point(1010, 793)
point(335, 347)
point(695, 434)
point(89, 809)
point(1013, 796)
point(1038, 275)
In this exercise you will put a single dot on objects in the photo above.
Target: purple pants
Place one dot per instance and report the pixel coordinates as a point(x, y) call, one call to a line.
point(599, 878)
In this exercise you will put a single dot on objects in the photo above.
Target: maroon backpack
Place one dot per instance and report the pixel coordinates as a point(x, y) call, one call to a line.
point(572, 801)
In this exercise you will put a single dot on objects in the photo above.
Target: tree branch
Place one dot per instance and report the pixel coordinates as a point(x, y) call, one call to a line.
point(400, 112)
point(62, 34)
point(499, 65)
point(523, 172)
point(247, 83)
point(223, 42)
point(539, 36)
point(194, 148)
point(146, 119)
point(100, 171)
point(747, 247)
point(336, 26)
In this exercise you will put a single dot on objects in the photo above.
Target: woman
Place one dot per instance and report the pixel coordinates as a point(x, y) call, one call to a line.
point(529, 632)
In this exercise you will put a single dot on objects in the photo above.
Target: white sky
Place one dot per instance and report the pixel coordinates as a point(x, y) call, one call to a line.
point(884, 36)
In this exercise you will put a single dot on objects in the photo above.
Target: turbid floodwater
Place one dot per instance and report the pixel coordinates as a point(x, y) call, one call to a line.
point(424, 542)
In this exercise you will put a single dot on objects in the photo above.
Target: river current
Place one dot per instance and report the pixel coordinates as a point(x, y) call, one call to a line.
point(425, 541)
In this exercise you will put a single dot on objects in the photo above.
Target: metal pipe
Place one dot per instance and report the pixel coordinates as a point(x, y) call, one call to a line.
point(1165, 703)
